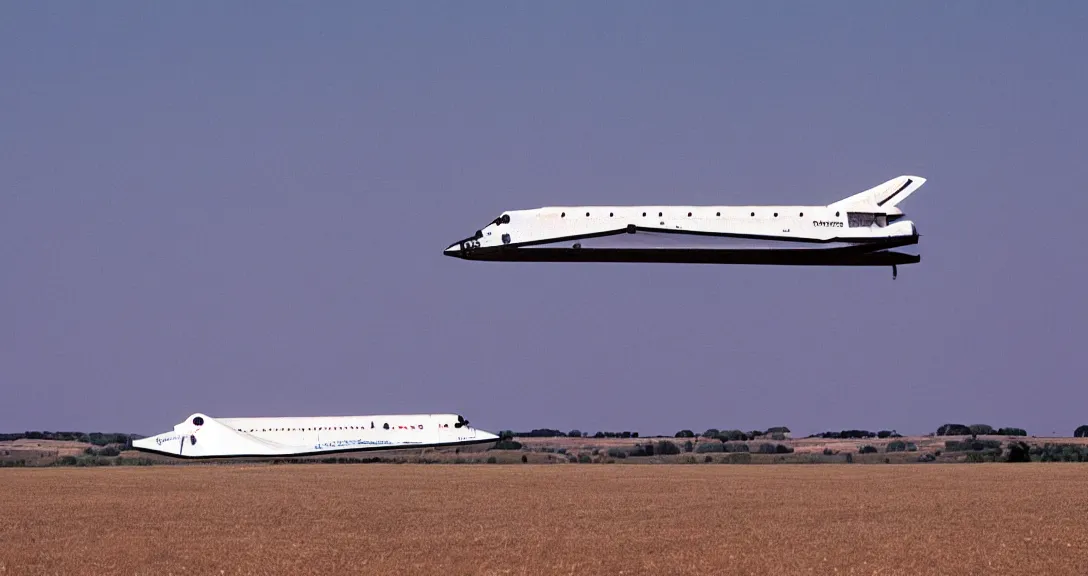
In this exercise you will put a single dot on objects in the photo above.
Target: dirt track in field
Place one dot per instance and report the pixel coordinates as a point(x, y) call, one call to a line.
point(565, 519)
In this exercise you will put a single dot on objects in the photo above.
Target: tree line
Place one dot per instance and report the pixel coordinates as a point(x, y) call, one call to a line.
point(774, 433)
point(95, 438)
point(979, 430)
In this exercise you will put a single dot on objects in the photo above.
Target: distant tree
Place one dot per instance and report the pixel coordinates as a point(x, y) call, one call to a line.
point(896, 446)
point(575, 433)
point(1018, 452)
point(711, 433)
point(845, 434)
point(972, 445)
point(666, 447)
point(542, 433)
point(733, 436)
point(777, 430)
point(685, 434)
point(688, 446)
point(704, 447)
point(1081, 431)
point(634, 434)
point(883, 433)
point(954, 430)
point(1012, 432)
point(981, 429)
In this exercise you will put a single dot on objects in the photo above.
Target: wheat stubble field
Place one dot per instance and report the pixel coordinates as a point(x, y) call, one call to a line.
point(557, 519)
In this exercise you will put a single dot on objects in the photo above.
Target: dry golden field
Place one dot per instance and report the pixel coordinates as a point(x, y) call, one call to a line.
point(387, 519)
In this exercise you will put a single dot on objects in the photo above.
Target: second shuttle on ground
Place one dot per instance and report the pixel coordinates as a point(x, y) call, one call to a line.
point(200, 436)
point(865, 229)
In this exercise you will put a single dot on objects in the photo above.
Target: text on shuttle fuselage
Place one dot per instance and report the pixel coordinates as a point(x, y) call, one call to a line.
point(826, 224)
point(342, 443)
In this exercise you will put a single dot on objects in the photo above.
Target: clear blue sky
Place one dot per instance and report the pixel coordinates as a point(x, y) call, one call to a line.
point(240, 209)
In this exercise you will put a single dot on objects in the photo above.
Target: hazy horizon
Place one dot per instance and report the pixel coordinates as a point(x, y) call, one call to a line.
point(241, 211)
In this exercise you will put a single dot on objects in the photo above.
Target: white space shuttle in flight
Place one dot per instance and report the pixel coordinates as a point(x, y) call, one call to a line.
point(862, 230)
point(201, 436)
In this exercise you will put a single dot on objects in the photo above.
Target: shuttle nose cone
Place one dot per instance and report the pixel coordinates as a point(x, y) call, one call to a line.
point(489, 439)
point(457, 249)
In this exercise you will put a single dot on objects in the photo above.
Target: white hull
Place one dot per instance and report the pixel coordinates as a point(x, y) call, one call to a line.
point(862, 230)
point(201, 436)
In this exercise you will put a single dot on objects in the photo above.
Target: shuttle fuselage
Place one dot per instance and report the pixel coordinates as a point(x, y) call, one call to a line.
point(862, 230)
point(201, 436)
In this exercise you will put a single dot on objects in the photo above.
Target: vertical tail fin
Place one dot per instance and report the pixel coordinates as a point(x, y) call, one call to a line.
point(882, 197)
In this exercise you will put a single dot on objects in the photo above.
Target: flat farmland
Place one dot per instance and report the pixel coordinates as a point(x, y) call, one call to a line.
point(546, 519)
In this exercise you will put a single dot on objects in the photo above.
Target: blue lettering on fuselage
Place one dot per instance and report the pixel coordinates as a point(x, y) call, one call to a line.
point(162, 440)
point(342, 443)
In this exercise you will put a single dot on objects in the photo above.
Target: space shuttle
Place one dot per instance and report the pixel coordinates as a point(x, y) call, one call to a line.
point(865, 229)
point(203, 437)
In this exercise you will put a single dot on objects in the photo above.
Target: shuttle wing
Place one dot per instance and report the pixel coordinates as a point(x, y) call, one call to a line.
point(883, 197)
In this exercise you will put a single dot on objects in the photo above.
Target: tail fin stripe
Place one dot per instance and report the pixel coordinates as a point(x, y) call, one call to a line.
point(896, 193)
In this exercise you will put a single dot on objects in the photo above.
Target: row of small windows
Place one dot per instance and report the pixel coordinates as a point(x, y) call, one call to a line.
point(660, 214)
point(199, 421)
point(385, 426)
point(319, 428)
